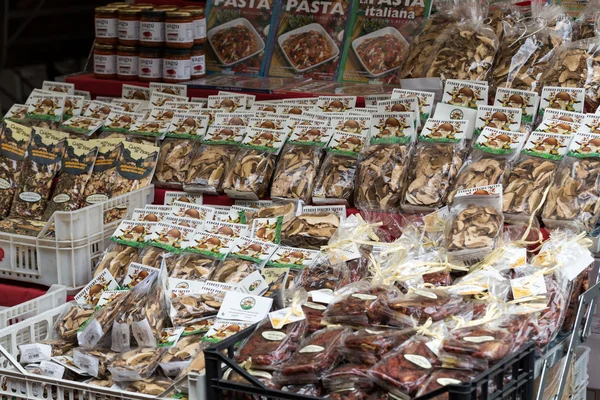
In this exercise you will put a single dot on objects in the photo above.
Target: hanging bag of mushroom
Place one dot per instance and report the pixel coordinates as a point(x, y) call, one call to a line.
point(574, 198)
point(439, 156)
point(383, 165)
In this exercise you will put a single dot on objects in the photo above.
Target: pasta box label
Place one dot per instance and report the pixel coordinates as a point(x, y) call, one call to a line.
point(240, 35)
point(569, 116)
point(392, 127)
point(527, 101)
point(465, 94)
point(503, 118)
point(444, 130)
point(309, 39)
point(379, 35)
point(547, 145)
point(558, 126)
point(567, 99)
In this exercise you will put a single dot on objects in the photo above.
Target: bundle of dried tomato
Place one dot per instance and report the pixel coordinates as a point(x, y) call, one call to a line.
point(404, 369)
point(315, 356)
point(580, 285)
point(352, 309)
point(266, 348)
point(422, 304)
point(444, 377)
point(348, 377)
point(314, 390)
point(441, 278)
point(367, 346)
point(487, 343)
point(521, 327)
point(314, 315)
point(552, 317)
point(352, 394)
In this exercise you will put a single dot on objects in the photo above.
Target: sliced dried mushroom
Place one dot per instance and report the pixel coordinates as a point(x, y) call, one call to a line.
point(526, 185)
point(195, 267)
point(185, 349)
point(209, 167)
point(577, 65)
point(152, 256)
point(68, 325)
point(309, 231)
point(143, 360)
point(296, 171)
point(174, 161)
point(152, 386)
point(104, 357)
point(116, 260)
point(432, 173)
point(575, 194)
point(336, 178)
point(381, 177)
point(251, 172)
point(483, 172)
point(105, 383)
point(464, 53)
point(285, 210)
point(475, 227)
point(191, 307)
point(60, 347)
point(233, 270)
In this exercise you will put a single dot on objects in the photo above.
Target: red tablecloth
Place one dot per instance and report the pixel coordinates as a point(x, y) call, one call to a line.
point(14, 293)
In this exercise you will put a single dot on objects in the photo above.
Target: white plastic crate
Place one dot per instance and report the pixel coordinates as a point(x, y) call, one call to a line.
point(55, 296)
point(580, 367)
point(18, 385)
point(68, 258)
point(580, 393)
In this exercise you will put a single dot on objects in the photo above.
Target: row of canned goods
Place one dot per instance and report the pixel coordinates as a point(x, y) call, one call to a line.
point(169, 65)
point(150, 26)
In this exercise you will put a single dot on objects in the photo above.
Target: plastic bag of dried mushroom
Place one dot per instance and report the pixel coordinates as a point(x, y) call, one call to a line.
point(179, 356)
point(577, 65)
point(116, 260)
point(492, 156)
point(533, 173)
point(309, 231)
point(587, 24)
point(524, 54)
point(299, 162)
point(174, 161)
point(76, 171)
point(101, 183)
point(135, 167)
point(465, 50)
point(135, 364)
point(475, 224)
point(574, 197)
point(253, 166)
point(46, 151)
point(14, 142)
point(190, 266)
point(438, 158)
point(383, 165)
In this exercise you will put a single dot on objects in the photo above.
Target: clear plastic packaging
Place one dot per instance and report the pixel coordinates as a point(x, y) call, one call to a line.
point(314, 315)
point(135, 364)
point(336, 178)
point(190, 266)
point(267, 348)
point(348, 377)
point(422, 304)
point(324, 275)
point(94, 361)
point(233, 270)
point(191, 307)
point(251, 172)
point(152, 256)
point(587, 24)
point(209, 168)
point(309, 231)
point(116, 260)
point(485, 342)
point(69, 323)
point(351, 305)
point(296, 171)
point(369, 345)
point(444, 377)
point(175, 161)
point(179, 356)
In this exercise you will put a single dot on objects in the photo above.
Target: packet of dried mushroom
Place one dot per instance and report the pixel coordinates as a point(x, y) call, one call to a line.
point(299, 162)
point(383, 165)
point(254, 164)
point(574, 197)
point(46, 151)
point(75, 173)
point(100, 186)
point(174, 161)
point(213, 160)
point(135, 167)
point(532, 174)
point(475, 224)
point(14, 142)
point(438, 158)
point(492, 156)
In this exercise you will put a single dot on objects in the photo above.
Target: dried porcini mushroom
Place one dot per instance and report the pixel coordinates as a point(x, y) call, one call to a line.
point(152, 386)
point(577, 65)
point(233, 270)
point(60, 347)
point(309, 231)
point(152, 256)
point(475, 227)
point(142, 360)
point(190, 307)
point(296, 170)
point(575, 194)
point(522, 60)
point(251, 172)
point(104, 357)
point(336, 178)
point(526, 185)
point(195, 267)
point(285, 210)
point(431, 174)
point(174, 161)
point(185, 349)
point(483, 172)
point(209, 167)
point(381, 177)
point(116, 260)
point(69, 324)
point(464, 53)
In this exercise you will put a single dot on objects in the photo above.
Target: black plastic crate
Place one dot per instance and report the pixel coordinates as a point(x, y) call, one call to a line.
point(512, 378)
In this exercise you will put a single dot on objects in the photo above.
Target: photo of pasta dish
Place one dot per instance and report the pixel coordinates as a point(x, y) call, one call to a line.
point(381, 53)
point(307, 49)
point(234, 43)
